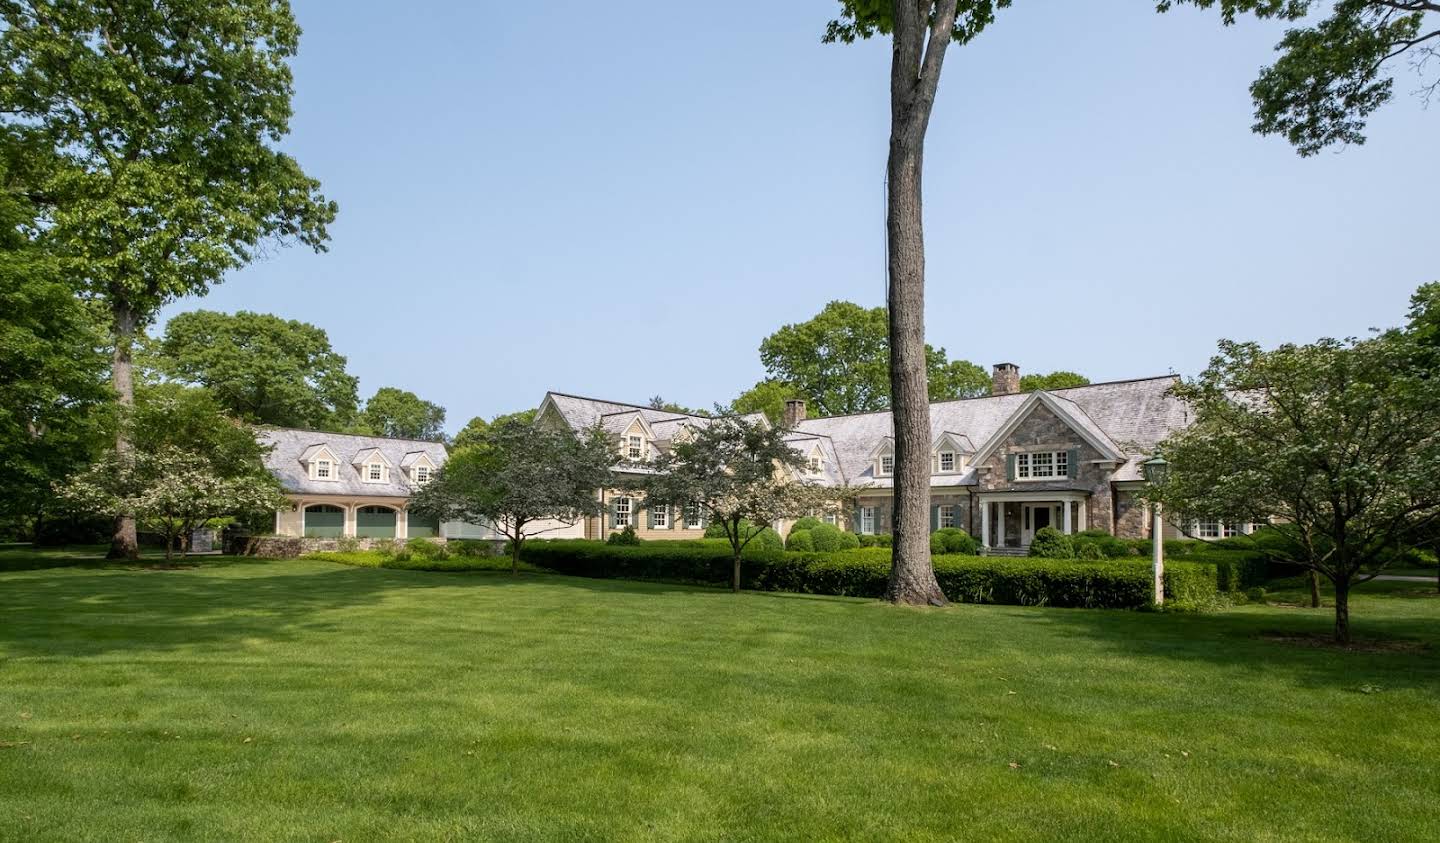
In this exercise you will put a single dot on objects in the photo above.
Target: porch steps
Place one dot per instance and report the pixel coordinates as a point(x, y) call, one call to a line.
point(1006, 551)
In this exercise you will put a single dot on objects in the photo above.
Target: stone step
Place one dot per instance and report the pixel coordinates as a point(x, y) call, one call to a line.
point(1007, 551)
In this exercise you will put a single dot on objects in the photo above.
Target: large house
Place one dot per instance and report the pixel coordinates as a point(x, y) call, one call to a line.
point(1002, 466)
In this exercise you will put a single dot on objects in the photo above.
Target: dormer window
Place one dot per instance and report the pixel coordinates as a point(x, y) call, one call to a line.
point(947, 461)
point(816, 465)
point(422, 474)
point(322, 470)
point(374, 472)
point(887, 464)
point(635, 447)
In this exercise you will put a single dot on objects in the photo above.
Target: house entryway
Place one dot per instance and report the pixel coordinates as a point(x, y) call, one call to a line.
point(1037, 516)
point(1010, 520)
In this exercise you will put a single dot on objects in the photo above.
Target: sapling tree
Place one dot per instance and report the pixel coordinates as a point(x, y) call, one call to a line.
point(1339, 441)
point(520, 476)
point(152, 131)
point(741, 473)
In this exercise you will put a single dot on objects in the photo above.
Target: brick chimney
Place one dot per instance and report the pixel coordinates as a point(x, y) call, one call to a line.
point(794, 412)
point(1005, 380)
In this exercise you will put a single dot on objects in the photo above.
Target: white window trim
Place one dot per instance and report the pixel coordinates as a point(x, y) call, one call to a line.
point(1055, 459)
point(634, 447)
point(880, 470)
point(940, 462)
point(624, 518)
point(868, 517)
point(947, 513)
point(815, 465)
point(423, 474)
point(371, 468)
point(693, 524)
point(330, 472)
point(1221, 527)
point(660, 514)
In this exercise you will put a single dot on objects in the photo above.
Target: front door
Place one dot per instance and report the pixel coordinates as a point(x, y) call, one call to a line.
point(1037, 516)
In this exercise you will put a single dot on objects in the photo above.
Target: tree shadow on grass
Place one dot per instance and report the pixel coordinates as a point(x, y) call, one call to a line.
point(1396, 648)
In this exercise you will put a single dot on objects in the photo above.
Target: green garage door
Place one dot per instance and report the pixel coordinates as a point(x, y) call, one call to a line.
point(419, 527)
point(376, 522)
point(324, 521)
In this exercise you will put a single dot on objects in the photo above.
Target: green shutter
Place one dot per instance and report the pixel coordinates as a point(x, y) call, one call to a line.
point(1010, 467)
point(650, 515)
point(855, 519)
point(934, 518)
point(614, 507)
point(1074, 462)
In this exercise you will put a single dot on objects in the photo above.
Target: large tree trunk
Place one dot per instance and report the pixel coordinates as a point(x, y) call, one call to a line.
point(123, 543)
point(914, 73)
point(1314, 589)
point(735, 575)
point(1342, 611)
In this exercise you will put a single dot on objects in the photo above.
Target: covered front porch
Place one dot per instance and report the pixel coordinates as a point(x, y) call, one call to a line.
point(1009, 520)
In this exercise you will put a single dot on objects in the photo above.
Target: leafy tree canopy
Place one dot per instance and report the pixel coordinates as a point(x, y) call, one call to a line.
point(477, 430)
point(260, 367)
point(1335, 71)
point(1054, 380)
point(1338, 440)
point(517, 476)
point(658, 402)
point(867, 18)
point(170, 415)
point(840, 361)
point(403, 415)
point(768, 397)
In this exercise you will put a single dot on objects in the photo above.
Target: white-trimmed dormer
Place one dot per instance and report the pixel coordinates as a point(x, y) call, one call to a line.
point(419, 468)
point(815, 461)
point(950, 452)
point(882, 458)
point(373, 466)
point(320, 463)
point(637, 440)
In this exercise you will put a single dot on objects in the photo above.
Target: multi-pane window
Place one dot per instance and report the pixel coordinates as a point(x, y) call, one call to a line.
point(947, 460)
point(622, 512)
point(660, 516)
point(422, 474)
point(636, 448)
point(322, 469)
point(815, 465)
point(374, 471)
point(947, 515)
point(1040, 465)
point(1214, 528)
point(693, 521)
point(867, 520)
point(887, 464)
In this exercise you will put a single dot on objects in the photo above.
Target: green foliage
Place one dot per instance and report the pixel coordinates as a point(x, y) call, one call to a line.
point(261, 368)
point(1054, 380)
point(875, 539)
point(809, 522)
point(953, 540)
point(865, 572)
point(427, 549)
point(1334, 71)
point(828, 538)
point(625, 537)
point(840, 361)
point(402, 414)
point(867, 18)
point(799, 541)
point(475, 431)
point(190, 419)
point(1050, 543)
point(767, 397)
point(658, 402)
point(472, 548)
point(1108, 546)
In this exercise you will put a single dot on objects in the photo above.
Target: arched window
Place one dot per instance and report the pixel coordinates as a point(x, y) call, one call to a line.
point(376, 522)
point(324, 521)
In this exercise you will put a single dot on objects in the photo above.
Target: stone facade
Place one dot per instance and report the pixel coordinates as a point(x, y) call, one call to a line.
point(1042, 430)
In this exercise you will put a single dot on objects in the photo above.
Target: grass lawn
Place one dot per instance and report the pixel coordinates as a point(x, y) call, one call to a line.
point(307, 700)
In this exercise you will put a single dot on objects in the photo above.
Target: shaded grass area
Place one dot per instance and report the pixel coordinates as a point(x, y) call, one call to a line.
point(454, 562)
point(248, 700)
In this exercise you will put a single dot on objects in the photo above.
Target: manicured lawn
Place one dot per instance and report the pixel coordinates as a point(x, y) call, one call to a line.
point(244, 700)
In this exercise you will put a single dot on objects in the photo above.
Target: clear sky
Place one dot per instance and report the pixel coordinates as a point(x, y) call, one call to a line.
point(624, 199)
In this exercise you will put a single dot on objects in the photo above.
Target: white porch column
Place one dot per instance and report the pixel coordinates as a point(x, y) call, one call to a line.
point(351, 514)
point(1066, 517)
point(1084, 522)
point(1000, 523)
point(402, 524)
point(984, 523)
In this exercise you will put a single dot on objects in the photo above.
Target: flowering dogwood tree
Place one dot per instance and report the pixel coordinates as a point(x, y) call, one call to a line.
point(172, 491)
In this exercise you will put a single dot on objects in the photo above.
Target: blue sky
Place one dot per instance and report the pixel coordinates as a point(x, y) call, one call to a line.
point(623, 200)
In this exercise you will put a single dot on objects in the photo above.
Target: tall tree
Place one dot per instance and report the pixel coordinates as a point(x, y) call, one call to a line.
point(261, 368)
point(475, 432)
point(159, 174)
point(1334, 72)
point(840, 361)
point(920, 31)
point(520, 476)
point(53, 390)
point(403, 415)
point(1054, 380)
point(740, 472)
point(767, 397)
point(1340, 441)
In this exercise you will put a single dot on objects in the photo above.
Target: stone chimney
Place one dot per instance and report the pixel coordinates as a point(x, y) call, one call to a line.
point(1005, 380)
point(794, 412)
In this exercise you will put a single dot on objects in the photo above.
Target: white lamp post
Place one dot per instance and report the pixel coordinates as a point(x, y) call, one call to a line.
point(1156, 471)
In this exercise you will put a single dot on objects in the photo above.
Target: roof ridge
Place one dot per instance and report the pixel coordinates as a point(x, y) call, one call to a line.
point(351, 435)
point(1007, 395)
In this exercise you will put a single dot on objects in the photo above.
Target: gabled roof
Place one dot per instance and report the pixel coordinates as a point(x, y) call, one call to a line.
point(412, 458)
point(1067, 411)
point(886, 443)
point(291, 449)
point(369, 455)
point(316, 451)
point(959, 442)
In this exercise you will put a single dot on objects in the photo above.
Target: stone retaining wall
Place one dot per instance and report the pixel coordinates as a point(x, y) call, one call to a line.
point(290, 547)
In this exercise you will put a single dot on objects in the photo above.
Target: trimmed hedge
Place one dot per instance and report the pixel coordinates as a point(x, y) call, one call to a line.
point(864, 572)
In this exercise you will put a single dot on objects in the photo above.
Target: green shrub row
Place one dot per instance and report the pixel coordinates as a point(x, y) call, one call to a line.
point(864, 572)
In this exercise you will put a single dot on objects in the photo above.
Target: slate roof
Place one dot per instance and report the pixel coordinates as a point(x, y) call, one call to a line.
point(291, 446)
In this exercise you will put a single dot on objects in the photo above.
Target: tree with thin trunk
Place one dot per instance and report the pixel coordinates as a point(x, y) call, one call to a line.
point(524, 480)
point(1338, 441)
point(920, 30)
point(740, 474)
point(154, 128)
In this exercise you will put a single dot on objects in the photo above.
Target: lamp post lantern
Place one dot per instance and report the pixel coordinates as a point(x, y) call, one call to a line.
point(1156, 470)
